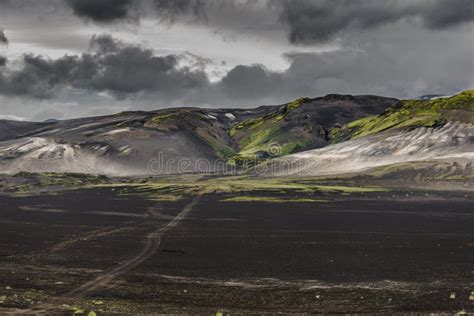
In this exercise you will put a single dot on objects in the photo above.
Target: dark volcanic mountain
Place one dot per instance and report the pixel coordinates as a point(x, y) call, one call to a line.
point(138, 143)
point(16, 129)
point(439, 131)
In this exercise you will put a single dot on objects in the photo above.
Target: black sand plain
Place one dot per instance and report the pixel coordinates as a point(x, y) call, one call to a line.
point(92, 250)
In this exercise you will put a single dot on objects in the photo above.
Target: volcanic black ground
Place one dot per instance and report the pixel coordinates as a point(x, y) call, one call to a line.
point(391, 251)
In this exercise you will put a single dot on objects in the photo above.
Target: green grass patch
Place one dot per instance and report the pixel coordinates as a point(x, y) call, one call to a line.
point(296, 103)
point(160, 119)
point(272, 199)
point(253, 136)
point(411, 114)
point(173, 188)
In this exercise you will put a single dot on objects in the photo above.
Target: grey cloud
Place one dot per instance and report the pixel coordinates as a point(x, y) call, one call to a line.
point(387, 66)
point(104, 44)
point(38, 76)
point(114, 66)
point(111, 11)
point(171, 9)
point(249, 82)
point(102, 11)
point(3, 61)
point(443, 14)
point(391, 65)
point(3, 38)
point(306, 21)
point(313, 21)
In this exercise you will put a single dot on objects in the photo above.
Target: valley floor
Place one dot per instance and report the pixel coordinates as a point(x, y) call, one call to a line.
point(98, 250)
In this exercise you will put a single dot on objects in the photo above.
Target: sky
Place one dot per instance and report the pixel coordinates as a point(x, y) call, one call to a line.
point(63, 59)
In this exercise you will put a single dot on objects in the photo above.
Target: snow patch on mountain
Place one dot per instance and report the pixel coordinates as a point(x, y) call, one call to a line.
point(452, 142)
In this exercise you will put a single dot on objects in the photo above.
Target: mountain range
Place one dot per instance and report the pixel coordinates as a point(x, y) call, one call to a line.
point(308, 136)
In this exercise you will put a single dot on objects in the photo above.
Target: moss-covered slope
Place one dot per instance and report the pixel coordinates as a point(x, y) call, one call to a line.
point(269, 136)
point(411, 114)
point(300, 125)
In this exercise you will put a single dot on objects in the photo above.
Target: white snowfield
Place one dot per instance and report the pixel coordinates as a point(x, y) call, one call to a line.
point(37, 154)
point(452, 142)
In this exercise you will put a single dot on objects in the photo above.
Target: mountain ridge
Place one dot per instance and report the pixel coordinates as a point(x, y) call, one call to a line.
point(411, 114)
point(125, 142)
point(439, 130)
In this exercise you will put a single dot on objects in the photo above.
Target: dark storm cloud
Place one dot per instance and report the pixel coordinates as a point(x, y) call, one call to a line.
point(111, 11)
point(3, 38)
point(102, 11)
point(171, 9)
point(127, 71)
point(3, 61)
point(38, 77)
point(443, 14)
point(104, 43)
point(313, 21)
point(112, 66)
point(390, 67)
point(248, 82)
point(306, 21)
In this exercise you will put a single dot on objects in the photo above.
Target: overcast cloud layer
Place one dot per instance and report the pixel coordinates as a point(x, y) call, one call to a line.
point(73, 58)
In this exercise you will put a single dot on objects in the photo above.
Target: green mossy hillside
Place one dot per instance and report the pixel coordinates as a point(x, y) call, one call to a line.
point(267, 136)
point(175, 119)
point(411, 114)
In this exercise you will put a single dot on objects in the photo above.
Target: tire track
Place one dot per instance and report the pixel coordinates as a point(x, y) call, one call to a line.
point(104, 281)
point(93, 234)
point(106, 231)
